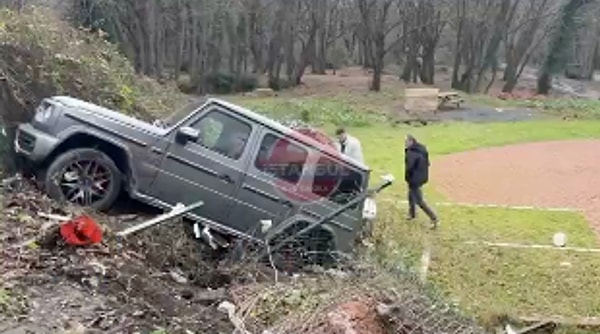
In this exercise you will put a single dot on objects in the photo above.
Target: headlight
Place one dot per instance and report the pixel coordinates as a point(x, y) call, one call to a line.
point(44, 113)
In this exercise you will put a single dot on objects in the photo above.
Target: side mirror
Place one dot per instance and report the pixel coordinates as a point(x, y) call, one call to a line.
point(186, 134)
point(388, 178)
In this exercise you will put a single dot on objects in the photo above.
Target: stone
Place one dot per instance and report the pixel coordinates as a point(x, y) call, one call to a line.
point(355, 317)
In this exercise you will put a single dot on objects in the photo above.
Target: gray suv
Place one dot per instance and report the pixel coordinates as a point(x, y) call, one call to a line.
point(249, 171)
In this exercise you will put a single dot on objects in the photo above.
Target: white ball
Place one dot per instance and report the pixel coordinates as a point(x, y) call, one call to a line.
point(560, 239)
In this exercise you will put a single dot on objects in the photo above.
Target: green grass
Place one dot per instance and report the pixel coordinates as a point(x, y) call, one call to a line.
point(498, 281)
point(564, 107)
point(484, 281)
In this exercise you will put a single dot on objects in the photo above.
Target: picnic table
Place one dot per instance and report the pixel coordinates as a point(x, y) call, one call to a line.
point(449, 97)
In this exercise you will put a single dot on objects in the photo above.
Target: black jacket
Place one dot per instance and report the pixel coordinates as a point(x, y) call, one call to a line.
point(416, 165)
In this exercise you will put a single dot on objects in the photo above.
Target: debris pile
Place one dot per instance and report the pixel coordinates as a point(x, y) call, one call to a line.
point(151, 281)
point(162, 278)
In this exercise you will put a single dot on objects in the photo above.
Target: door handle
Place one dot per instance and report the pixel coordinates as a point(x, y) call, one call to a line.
point(286, 202)
point(226, 178)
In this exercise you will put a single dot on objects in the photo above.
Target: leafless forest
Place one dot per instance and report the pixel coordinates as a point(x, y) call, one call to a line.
point(226, 44)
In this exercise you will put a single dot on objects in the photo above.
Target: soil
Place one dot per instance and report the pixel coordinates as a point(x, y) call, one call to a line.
point(158, 279)
point(557, 174)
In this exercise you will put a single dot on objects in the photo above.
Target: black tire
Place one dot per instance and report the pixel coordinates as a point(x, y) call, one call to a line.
point(84, 158)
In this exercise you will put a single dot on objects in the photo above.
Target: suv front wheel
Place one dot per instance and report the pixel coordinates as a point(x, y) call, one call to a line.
point(84, 177)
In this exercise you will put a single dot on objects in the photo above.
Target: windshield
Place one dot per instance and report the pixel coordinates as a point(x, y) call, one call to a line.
point(182, 113)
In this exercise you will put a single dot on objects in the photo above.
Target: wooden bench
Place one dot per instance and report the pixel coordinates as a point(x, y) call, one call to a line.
point(449, 97)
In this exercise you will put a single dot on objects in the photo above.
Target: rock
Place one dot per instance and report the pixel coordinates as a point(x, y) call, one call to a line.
point(355, 317)
point(74, 328)
point(209, 296)
point(178, 277)
point(24, 330)
point(336, 273)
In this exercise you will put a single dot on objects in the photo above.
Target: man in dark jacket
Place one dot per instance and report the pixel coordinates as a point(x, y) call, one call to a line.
point(416, 175)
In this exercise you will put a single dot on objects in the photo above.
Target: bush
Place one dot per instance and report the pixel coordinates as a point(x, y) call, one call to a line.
point(220, 83)
point(313, 111)
point(279, 84)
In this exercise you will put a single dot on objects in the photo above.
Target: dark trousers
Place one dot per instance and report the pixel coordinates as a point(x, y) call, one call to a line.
point(415, 197)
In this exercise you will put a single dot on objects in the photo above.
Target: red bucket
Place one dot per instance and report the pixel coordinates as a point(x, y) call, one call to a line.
point(80, 231)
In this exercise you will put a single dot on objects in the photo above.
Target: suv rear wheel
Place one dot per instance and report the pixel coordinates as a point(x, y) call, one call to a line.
point(84, 177)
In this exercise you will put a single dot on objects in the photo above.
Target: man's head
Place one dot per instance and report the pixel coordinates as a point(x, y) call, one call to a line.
point(341, 134)
point(409, 141)
point(238, 142)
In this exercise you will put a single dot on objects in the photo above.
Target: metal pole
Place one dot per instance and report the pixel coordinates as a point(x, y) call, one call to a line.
point(327, 218)
point(178, 210)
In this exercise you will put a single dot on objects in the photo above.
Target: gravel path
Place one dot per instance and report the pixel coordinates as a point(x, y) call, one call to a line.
point(546, 174)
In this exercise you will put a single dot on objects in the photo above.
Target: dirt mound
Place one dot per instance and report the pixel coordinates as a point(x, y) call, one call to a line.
point(153, 280)
point(161, 278)
point(42, 55)
point(559, 174)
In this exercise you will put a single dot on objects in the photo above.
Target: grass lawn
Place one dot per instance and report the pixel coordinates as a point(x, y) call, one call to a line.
point(485, 281)
point(490, 281)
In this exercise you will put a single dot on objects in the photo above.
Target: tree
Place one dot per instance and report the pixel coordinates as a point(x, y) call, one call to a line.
point(480, 28)
point(523, 36)
point(559, 44)
point(376, 26)
point(423, 25)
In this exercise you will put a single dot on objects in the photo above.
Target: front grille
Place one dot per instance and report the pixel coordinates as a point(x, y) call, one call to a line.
point(26, 141)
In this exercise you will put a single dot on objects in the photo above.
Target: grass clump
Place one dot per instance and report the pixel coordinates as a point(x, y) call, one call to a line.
point(316, 111)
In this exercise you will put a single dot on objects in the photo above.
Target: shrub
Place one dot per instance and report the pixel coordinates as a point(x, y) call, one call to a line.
point(315, 111)
point(279, 84)
point(220, 83)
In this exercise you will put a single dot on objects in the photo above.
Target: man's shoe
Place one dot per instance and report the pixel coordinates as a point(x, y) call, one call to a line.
point(434, 224)
point(409, 218)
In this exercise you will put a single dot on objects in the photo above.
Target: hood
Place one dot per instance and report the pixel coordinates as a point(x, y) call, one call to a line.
point(106, 113)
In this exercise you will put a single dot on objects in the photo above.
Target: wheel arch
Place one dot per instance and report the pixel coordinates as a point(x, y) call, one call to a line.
point(114, 150)
point(316, 235)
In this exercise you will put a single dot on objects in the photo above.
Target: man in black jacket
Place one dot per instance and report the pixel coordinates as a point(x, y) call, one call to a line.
point(416, 175)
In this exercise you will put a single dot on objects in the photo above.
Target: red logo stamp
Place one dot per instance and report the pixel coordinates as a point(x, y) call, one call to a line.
point(303, 176)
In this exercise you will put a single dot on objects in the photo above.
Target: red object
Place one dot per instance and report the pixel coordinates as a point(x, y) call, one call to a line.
point(316, 135)
point(80, 231)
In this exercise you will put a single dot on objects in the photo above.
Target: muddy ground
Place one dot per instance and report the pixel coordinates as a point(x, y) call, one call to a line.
point(157, 279)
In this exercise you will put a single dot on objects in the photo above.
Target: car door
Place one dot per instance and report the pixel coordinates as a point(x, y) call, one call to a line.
point(276, 165)
point(208, 169)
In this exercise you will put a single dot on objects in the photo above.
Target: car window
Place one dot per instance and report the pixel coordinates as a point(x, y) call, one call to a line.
point(223, 134)
point(281, 158)
point(335, 181)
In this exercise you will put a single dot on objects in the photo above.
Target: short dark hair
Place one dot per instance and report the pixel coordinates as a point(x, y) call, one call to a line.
point(339, 131)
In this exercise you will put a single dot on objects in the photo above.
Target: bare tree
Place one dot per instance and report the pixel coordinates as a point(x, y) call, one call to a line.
point(423, 24)
point(377, 25)
point(524, 34)
point(480, 28)
point(559, 43)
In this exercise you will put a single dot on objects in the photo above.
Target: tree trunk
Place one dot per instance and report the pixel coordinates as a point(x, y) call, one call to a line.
point(559, 44)
point(378, 61)
point(428, 67)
